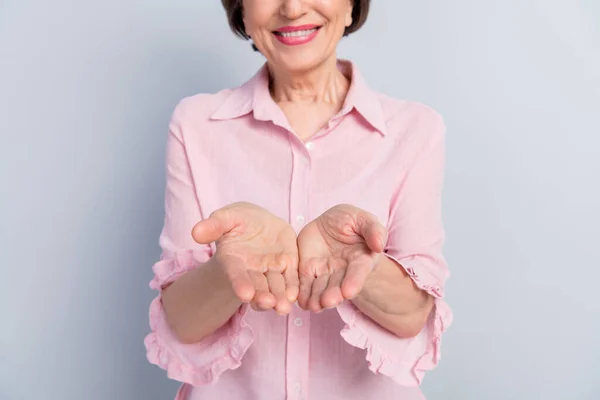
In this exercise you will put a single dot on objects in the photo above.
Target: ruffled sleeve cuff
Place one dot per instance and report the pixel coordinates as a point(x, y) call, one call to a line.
point(403, 360)
point(199, 363)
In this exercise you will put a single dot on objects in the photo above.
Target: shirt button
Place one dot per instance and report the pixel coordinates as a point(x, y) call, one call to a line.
point(297, 387)
point(310, 145)
point(300, 219)
point(298, 322)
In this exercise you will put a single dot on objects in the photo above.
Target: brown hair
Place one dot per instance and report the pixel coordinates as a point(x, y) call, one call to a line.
point(234, 11)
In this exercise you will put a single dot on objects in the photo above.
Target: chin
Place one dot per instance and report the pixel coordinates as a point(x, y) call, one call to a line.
point(302, 62)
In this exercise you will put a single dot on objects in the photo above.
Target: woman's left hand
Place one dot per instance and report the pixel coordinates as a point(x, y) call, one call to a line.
point(337, 251)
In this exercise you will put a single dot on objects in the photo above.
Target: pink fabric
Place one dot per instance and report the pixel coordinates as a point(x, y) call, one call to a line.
point(378, 153)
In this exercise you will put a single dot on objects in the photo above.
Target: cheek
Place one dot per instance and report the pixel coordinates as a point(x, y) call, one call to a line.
point(249, 22)
point(339, 11)
point(257, 13)
point(334, 6)
point(253, 27)
point(249, 25)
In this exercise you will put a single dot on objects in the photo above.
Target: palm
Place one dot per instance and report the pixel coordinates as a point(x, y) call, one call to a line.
point(257, 252)
point(337, 251)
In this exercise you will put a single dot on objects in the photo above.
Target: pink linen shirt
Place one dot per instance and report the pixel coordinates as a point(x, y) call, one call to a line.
point(383, 155)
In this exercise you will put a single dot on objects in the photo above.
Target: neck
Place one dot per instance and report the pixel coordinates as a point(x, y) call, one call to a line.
point(323, 84)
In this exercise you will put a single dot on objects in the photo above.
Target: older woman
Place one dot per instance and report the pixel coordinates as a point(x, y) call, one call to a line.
point(302, 242)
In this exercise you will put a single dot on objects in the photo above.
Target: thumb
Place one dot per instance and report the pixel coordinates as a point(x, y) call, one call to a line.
point(212, 229)
point(373, 232)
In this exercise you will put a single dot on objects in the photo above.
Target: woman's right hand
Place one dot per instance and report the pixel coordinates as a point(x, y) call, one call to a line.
point(258, 253)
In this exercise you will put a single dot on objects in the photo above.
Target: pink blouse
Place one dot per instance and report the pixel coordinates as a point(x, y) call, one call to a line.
point(383, 155)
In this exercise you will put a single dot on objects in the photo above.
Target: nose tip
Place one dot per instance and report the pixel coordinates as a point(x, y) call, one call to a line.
point(292, 9)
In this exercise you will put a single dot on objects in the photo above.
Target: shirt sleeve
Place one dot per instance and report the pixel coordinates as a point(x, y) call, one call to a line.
point(199, 363)
point(415, 241)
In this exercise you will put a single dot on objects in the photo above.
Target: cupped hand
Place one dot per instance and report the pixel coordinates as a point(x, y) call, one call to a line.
point(338, 251)
point(258, 253)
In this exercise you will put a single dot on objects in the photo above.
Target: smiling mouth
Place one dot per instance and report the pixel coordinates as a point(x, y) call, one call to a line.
point(297, 34)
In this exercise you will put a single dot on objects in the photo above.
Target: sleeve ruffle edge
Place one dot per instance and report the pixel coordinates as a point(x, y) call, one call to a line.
point(406, 373)
point(236, 337)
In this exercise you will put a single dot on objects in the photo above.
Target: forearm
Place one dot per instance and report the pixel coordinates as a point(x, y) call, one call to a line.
point(391, 298)
point(199, 302)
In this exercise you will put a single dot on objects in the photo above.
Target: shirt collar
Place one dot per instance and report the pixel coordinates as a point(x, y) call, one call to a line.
point(253, 96)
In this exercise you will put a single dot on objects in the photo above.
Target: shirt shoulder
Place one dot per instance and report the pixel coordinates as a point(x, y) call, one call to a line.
point(191, 119)
point(199, 107)
point(411, 122)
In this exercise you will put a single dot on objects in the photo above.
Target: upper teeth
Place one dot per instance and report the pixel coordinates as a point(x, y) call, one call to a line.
point(305, 32)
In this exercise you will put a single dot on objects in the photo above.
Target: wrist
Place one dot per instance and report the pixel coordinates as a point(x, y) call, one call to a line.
point(391, 290)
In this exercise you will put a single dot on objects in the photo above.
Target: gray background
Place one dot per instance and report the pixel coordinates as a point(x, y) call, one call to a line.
point(86, 91)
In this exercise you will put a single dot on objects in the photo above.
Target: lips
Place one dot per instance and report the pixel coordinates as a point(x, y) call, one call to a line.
point(290, 28)
point(296, 35)
point(303, 32)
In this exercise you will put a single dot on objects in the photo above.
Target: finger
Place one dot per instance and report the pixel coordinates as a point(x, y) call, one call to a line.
point(263, 299)
point(356, 275)
point(307, 277)
point(274, 262)
point(243, 286)
point(332, 296)
point(211, 229)
point(277, 288)
point(290, 275)
point(372, 231)
point(306, 283)
point(318, 287)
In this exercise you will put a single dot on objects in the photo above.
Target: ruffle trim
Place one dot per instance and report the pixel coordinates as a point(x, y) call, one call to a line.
point(379, 361)
point(160, 353)
point(441, 319)
point(169, 269)
point(236, 336)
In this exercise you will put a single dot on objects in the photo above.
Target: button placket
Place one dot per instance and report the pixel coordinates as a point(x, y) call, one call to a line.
point(298, 322)
point(297, 353)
